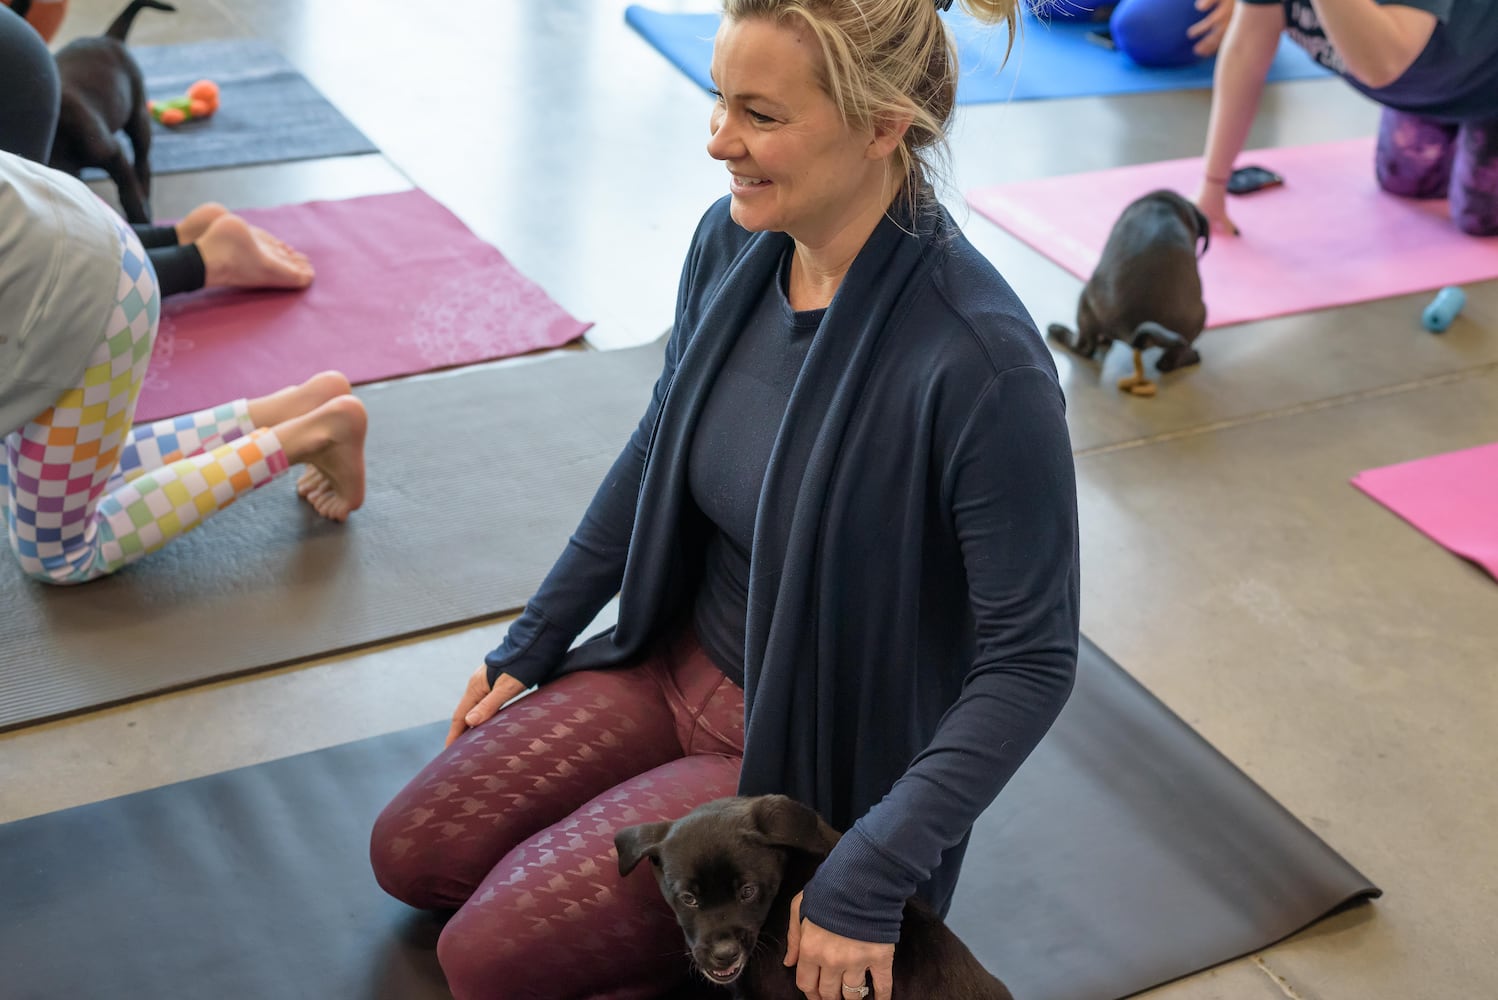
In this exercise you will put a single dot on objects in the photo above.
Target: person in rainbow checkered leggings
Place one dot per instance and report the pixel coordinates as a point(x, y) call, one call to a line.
point(85, 493)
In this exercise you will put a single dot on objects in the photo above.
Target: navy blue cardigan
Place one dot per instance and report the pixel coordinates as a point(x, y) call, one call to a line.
point(913, 604)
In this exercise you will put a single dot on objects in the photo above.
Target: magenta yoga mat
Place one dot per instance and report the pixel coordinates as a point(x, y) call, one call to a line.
point(1451, 498)
point(402, 287)
point(1328, 237)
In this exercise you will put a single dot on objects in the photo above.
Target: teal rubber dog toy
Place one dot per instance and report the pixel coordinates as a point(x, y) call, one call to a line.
point(1443, 309)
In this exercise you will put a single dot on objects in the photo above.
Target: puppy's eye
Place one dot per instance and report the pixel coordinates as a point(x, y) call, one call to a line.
point(687, 899)
point(748, 893)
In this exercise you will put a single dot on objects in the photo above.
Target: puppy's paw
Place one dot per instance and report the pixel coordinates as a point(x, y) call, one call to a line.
point(1173, 359)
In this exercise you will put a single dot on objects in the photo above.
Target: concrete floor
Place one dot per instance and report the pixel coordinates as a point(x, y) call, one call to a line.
point(1341, 659)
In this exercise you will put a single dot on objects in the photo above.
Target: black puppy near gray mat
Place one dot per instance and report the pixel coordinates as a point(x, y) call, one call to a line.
point(103, 92)
point(729, 870)
point(1146, 289)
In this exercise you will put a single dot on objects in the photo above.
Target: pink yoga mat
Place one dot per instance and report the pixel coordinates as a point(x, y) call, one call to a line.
point(1452, 498)
point(1328, 237)
point(402, 287)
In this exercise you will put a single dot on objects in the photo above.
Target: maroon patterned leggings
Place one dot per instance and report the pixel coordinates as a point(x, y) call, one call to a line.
point(513, 826)
point(1421, 158)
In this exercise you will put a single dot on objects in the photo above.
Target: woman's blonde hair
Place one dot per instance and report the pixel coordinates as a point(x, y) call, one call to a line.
point(887, 59)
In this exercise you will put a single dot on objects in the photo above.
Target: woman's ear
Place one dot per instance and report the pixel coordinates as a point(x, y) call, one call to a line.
point(889, 132)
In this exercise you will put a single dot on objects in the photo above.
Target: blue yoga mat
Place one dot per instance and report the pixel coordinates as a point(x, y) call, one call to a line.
point(1051, 59)
point(268, 112)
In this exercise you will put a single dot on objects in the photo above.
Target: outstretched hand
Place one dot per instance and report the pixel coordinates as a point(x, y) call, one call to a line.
point(1212, 199)
point(1209, 30)
point(826, 961)
point(480, 702)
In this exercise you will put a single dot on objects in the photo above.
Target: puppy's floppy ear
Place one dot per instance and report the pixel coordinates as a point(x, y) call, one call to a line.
point(1193, 217)
point(636, 842)
point(784, 822)
point(1203, 229)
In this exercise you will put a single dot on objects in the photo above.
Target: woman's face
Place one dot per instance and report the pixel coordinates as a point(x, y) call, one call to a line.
point(796, 166)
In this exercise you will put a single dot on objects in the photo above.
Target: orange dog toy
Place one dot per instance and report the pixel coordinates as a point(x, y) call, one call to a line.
point(200, 101)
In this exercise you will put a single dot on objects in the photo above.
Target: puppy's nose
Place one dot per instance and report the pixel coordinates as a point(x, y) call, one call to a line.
point(725, 952)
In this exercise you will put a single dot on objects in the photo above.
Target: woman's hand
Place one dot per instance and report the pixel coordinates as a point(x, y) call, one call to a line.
point(826, 961)
point(1212, 199)
point(1209, 30)
point(480, 702)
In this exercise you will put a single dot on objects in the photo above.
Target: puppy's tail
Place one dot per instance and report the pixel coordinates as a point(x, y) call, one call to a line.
point(121, 26)
point(1152, 334)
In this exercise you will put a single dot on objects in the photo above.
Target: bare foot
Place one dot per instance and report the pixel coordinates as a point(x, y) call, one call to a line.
point(239, 255)
point(297, 400)
point(195, 223)
point(330, 441)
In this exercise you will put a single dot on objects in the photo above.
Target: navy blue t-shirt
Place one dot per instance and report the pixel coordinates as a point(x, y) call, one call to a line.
point(1454, 79)
point(730, 452)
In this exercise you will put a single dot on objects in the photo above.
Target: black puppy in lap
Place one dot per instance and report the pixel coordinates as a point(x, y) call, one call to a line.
point(729, 870)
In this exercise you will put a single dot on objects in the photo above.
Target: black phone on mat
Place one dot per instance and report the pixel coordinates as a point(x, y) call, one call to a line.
point(1247, 180)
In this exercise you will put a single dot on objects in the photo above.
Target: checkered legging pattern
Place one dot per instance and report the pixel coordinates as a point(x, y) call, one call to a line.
point(88, 495)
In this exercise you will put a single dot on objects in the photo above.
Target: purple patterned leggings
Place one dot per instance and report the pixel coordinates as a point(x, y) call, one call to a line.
point(1421, 158)
point(513, 826)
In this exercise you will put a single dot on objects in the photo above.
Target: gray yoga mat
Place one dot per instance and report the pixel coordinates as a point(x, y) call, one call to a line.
point(268, 112)
point(1125, 854)
point(476, 480)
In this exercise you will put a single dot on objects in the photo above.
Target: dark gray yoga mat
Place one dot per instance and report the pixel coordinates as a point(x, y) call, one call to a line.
point(476, 480)
point(268, 112)
point(1125, 854)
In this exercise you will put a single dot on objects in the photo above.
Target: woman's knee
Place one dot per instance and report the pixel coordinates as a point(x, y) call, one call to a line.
point(515, 944)
point(1414, 155)
point(1410, 178)
point(1474, 182)
point(522, 771)
point(1476, 214)
point(396, 871)
point(411, 864)
point(480, 962)
point(74, 566)
point(1153, 32)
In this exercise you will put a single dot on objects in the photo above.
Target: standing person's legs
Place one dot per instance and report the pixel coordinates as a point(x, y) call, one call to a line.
point(1474, 179)
point(29, 90)
point(1414, 155)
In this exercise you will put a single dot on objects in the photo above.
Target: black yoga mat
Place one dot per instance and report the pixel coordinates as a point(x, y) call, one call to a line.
point(1126, 853)
point(268, 112)
point(475, 482)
